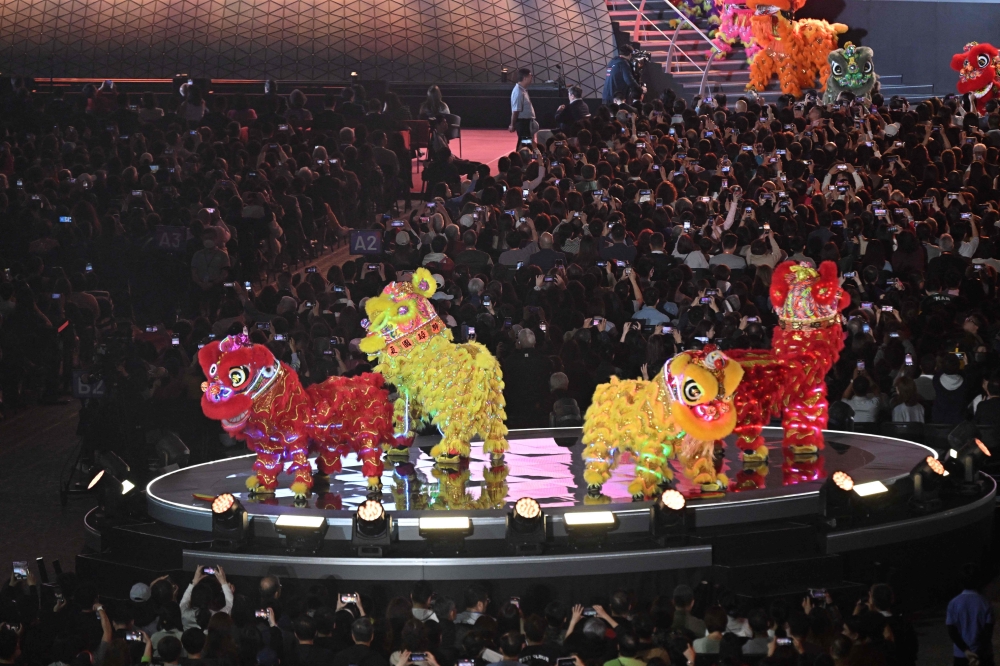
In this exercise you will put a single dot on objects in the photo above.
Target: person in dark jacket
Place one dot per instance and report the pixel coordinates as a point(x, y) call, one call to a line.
point(569, 114)
point(620, 80)
point(949, 393)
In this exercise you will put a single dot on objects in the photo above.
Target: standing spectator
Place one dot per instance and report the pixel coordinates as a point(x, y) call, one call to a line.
point(306, 653)
point(715, 623)
point(522, 113)
point(863, 397)
point(970, 622)
point(683, 603)
point(297, 114)
point(361, 653)
point(988, 410)
point(620, 83)
point(546, 257)
point(148, 110)
point(907, 407)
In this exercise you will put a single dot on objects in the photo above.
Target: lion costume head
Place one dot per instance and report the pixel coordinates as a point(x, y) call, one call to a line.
point(701, 386)
point(978, 67)
point(771, 18)
point(237, 371)
point(806, 298)
point(402, 316)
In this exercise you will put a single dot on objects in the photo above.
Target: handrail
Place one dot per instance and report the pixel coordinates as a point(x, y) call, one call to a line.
point(671, 53)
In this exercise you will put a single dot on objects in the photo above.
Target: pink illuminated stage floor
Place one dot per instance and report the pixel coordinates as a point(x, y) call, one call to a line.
point(538, 466)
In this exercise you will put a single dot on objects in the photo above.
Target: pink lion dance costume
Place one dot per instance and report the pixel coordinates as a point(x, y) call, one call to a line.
point(261, 401)
point(789, 380)
point(734, 27)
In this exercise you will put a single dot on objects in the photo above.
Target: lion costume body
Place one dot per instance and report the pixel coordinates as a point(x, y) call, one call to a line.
point(734, 28)
point(457, 387)
point(260, 400)
point(788, 381)
point(684, 410)
point(793, 50)
point(978, 67)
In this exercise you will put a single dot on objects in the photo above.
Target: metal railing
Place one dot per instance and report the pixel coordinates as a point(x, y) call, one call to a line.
point(674, 50)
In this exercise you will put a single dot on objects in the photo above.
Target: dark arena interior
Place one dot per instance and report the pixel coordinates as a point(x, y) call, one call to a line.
point(434, 333)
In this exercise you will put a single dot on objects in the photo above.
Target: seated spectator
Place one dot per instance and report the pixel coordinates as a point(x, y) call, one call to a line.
point(546, 257)
point(575, 111)
point(306, 653)
point(988, 410)
point(759, 642)
point(907, 407)
point(297, 114)
point(683, 603)
point(863, 397)
point(433, 106)
point(628, 649)
point(949, 392)
point(148, 110)
point(715, 623)
point(361, 653)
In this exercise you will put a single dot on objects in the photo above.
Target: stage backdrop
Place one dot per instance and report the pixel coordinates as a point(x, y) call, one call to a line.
point(455, 41)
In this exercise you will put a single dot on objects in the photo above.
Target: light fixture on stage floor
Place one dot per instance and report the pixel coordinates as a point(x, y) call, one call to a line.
point(230, 524)
point(836, 497)
point(371, 529)
point(970, 460)
point(526, 527)
point(301, 534)
point(113, 483)
point(927, 477)
point(589, 525)
point(669, 516)
point(445, 526)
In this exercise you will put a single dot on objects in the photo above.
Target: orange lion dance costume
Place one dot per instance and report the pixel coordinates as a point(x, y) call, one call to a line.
point(794, 51)
point(260, 400)
point(789, 380)
point(683, 411)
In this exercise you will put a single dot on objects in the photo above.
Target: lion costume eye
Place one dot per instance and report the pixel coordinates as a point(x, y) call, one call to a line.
point(837, 69)
point(213, 371)
point(692, 391)
point(868, 67)
point(982, 60)
point(237, 376)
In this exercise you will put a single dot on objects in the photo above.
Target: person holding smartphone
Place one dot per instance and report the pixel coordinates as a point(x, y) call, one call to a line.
point(863, 396)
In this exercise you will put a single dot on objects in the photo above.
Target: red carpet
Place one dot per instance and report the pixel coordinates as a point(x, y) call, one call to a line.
point(480, 145)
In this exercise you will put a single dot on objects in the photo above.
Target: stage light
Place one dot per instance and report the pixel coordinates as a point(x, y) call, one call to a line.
point(843, 481)
point(230, 524)
point(589, 525)
point(927, 476)
point(371, 529)
point(301, 534)
point(870, 488)
point(673, 500)
point(113, 484)
point(127, 487)
point(447, 526)
point(526, 527)
point(970, 459)
point(668, 515)
point(97, 479)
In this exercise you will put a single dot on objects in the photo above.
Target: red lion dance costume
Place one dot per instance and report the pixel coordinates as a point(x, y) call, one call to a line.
point(794, 51)
point(789, 380)
point(260, 400)
point(978, 67)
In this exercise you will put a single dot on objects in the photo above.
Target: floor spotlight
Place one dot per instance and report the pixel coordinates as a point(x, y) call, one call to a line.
point(371, 530)
point(836, 497)
point(301, 534)
point(113, 484)
point(589, 525)
point(230, 524)
point(669, 516)
point(526, 527)
point(970, 459)
point(927, 476)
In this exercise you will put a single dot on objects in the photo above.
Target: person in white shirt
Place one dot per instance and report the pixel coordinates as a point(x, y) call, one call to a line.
point(908, 408)
point(859, 396)
point(522, 113)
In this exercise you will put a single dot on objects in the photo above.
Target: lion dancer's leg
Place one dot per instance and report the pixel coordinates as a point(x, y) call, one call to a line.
point(328, 459)
point(804, 419)
point(370, 455)
point(403, 419)
point(298, 453)
point(598, 462)
point(749, 424)
point(266, 468)
point(455, 435)
point(494, 431)
point(761, 70)
point(788, 77)
point(652, 469)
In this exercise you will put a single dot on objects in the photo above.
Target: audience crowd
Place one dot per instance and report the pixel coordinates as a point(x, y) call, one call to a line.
point(209, 620)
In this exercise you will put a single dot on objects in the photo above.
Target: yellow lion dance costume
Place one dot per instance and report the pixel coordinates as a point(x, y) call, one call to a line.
point(795, 51)
point(459, 388)
point(683, 411)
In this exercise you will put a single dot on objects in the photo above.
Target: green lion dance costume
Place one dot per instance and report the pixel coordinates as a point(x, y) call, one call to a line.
point(852, 69)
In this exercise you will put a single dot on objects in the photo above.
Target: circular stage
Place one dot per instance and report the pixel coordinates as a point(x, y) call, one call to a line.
point(764, 503)
point(545, 465)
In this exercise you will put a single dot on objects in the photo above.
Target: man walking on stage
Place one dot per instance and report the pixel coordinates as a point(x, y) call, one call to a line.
point(522, 113)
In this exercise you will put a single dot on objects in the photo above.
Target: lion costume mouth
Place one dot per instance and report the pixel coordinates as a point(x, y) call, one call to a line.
point(982, 91)
point(237, 421)
point(766, 10)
